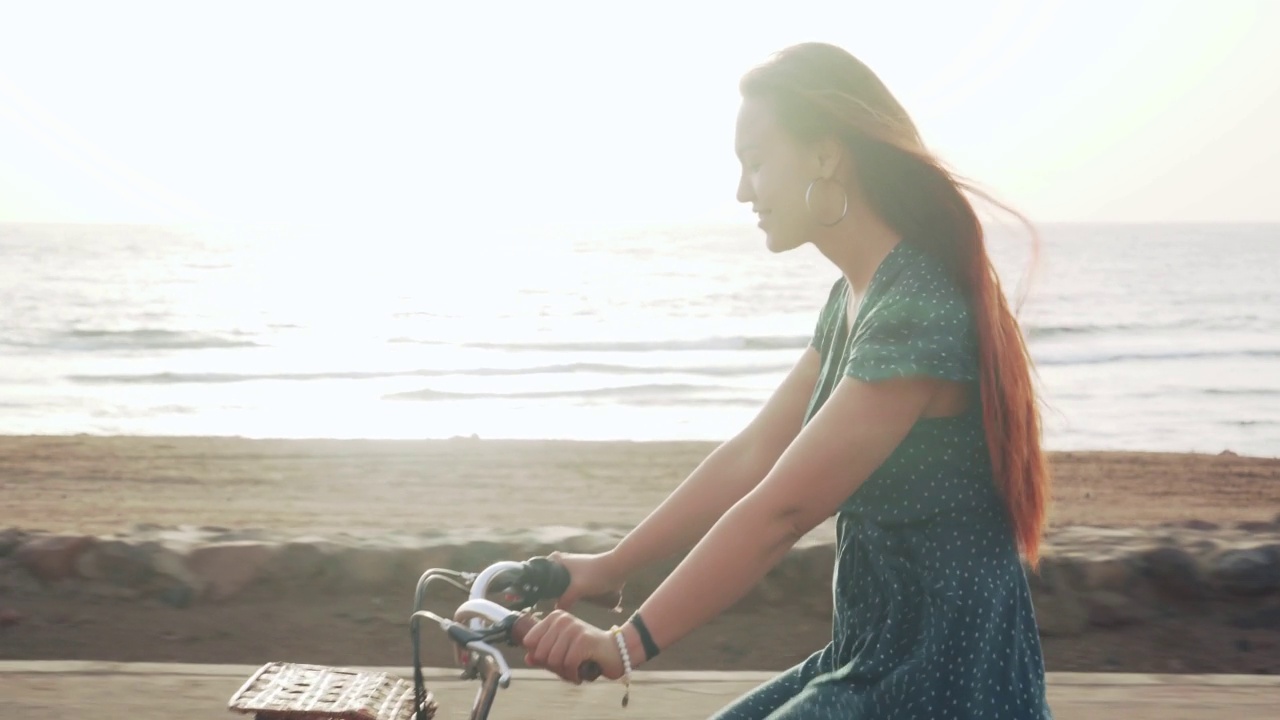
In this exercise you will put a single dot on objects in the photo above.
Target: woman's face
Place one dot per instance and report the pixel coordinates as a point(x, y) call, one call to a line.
point(776, 172)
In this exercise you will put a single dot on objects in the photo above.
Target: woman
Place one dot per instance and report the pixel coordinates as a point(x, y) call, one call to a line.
point(911, 417)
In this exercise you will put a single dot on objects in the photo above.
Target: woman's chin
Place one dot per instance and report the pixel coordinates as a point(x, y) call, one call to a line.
point(777, 244)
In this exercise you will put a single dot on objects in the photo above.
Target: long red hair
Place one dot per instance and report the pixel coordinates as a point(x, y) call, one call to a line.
point(819, 90)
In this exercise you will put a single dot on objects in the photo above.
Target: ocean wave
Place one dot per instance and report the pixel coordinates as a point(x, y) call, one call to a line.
point(1039, 332)
point(1238, 322)
point(647, 394)
point(1242, 392)
point(148, 339)
point(756, 342)
point(1166, 393)
point(1104, 357)
point(170, 378)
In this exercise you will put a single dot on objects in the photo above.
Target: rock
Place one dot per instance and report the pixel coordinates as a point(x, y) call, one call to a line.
point(82, 588)
point(414, 561)
point(1109, 573)
point(1203, 525)
point(224, 535)
point(1111, 609)
point(16, 581)
point(365, 568)
point(1253, 571)
point(116, 562)
point(1256, 526)
point(1057, 573)
point(644, 582)
point(299, 561)
point(556, 538)
point(52, 558)
point(1173, 572)
point(1091, 577)
point(589, 543)
point(169, 569)
point(1200, 547)
point(226, 568)
point(1061, 614)
point(770, 592)
point(178, 596)
point(1263, 619)
point(10, 539)
point(817, 562)
point(475, 555)
point(1055, 597)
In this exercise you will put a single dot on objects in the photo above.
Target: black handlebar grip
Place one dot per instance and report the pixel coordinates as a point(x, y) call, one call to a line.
point(557, 579)
point(552, 579)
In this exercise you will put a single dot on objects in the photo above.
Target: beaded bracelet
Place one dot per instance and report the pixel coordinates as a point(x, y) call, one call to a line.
point(626, 662)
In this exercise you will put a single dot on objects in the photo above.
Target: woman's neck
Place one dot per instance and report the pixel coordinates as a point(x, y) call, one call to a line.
point(857, 246)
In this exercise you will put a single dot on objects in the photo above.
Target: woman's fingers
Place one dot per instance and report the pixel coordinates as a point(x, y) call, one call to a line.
point(581, 651)
point(557, 657)
point(535, 634)
point(548, 637)
point(561, 643)
point(546, 640)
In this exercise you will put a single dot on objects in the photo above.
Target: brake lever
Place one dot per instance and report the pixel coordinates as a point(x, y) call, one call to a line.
point(463, 635)
point(504, 670)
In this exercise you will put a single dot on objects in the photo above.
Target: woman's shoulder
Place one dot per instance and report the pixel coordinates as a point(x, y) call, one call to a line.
point(920, 284)
point(923, 274)
point(918, 323)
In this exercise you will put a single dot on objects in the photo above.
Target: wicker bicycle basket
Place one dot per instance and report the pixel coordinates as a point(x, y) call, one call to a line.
point(293, 691)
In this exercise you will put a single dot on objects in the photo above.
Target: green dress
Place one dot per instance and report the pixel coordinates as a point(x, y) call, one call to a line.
point(932, 611)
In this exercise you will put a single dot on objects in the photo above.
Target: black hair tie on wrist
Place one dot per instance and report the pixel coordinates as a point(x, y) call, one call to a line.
point(650, 647)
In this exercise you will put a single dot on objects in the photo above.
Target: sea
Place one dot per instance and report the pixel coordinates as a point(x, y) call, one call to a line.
point(1144, 337)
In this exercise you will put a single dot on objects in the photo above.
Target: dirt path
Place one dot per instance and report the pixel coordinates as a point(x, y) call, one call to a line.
point(70, 692)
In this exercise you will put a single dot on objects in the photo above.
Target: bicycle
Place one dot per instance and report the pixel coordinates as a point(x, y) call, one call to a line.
point(293, 691)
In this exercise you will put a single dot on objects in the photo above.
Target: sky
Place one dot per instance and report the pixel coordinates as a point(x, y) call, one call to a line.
point(510, 114)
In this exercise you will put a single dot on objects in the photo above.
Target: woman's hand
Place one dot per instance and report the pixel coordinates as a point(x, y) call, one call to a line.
point(590, 576)
point(561, 642)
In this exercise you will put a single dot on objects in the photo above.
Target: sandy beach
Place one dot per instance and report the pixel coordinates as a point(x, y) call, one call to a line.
point(104, 485)
point(108, 484)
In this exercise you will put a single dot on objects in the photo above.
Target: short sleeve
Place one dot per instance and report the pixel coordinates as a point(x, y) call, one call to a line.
point(924, 328)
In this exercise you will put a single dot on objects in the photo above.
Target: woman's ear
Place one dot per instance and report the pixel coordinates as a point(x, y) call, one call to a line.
point(831, 156)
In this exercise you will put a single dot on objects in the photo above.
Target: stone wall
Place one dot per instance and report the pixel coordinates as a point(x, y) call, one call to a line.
point(1090, 576)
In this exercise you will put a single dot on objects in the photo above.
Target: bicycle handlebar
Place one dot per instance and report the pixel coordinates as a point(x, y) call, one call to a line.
point(542, 578)
point(479, 620)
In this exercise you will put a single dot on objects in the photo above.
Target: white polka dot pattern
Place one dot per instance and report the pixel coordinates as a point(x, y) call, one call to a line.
point(932, 612)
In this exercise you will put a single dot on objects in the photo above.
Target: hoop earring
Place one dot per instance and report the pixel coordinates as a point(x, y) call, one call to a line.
point(809, 205)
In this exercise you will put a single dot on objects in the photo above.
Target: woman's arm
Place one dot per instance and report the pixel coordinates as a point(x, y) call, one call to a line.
point(856, 430)
point(730, 472)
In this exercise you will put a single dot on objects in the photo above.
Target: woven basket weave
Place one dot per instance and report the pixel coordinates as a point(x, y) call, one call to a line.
point(292, 691)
